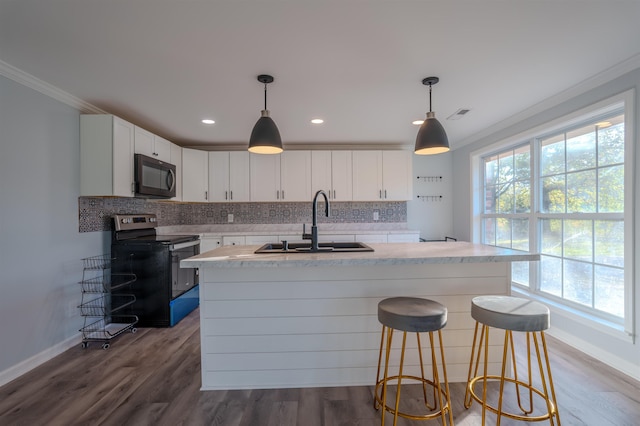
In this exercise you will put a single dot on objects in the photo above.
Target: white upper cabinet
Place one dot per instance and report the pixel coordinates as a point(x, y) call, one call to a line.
point(397, 172)
point(106, 156)
point(331, 171)
point(295, 176)
point(282, 177)
point(229, 176)
point(265, 177)
point(382, 175)
point(146, 143)
point(195, 175)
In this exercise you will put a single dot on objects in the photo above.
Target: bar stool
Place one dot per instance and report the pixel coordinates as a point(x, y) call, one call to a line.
point(511, 314)
point(411, 314)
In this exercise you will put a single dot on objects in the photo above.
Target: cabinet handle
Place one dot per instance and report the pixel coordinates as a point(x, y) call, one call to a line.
point(380, 196)
point(283, 194)
point(226, 195)
point(231, 195)
point(206, 195)
point(277, 194)
point(334, 194)
point(385, 194)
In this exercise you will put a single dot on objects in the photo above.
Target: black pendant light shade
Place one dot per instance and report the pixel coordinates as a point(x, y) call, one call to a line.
point(431, 139)
point(265, 137)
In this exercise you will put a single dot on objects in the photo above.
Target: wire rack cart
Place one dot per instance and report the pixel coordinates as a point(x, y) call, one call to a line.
point(104, 299)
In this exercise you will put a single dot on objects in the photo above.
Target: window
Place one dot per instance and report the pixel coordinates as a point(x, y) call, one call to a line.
point(560, 192)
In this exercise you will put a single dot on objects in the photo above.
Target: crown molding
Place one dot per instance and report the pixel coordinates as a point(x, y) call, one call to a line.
point(47, 89)
point(578, 89)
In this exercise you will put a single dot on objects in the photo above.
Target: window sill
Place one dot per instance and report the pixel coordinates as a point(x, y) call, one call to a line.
point(596, 324)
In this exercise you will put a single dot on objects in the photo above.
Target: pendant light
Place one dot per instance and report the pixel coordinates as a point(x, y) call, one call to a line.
point(431, 138)
point(265, 137)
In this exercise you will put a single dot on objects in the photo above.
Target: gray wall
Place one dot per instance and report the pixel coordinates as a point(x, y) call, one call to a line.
point(41, 245)
point(613, 351)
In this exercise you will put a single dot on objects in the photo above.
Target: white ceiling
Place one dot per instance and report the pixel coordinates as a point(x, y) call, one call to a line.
point(358, 64)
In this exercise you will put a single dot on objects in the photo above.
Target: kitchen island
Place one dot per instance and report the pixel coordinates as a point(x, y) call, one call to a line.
point(310, 319)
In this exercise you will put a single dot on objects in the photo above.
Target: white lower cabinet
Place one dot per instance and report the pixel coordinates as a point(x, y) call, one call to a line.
point(372, 238)
point(260, 239)
point(234, 240)
point(403, 238)
point(335, 238)
point(209, 243)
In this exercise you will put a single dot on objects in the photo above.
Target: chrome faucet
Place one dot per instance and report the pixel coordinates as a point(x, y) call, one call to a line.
point(314, 225)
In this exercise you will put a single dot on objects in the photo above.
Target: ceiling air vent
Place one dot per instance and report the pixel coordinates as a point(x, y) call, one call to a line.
point(459, 114)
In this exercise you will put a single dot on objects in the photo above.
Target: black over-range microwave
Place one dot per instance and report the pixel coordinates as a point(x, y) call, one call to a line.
point(154, 178)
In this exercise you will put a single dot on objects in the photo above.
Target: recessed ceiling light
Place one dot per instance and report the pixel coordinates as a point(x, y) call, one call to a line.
point(208, 121)
point(603, 124)
point(417, 122)
point(317, 121)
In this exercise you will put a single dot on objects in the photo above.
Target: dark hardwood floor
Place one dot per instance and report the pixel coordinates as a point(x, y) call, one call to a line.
point(152, 377)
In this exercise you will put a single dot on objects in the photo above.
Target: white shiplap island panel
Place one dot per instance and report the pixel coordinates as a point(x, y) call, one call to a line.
point(306, 320)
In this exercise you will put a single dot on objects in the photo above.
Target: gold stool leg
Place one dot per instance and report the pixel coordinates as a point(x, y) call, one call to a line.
point(473, 372)
point(386, 373)
point(552, 405)
point(376, 405)
point(397, 409)
point(424, 383)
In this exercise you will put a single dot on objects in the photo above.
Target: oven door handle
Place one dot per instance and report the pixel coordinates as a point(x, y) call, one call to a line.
point(184, 245)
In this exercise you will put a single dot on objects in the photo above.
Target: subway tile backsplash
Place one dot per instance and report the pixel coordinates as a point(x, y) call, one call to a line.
point(94, 213)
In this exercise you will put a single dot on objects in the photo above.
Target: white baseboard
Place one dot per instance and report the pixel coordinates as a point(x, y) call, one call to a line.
point(29, 364)
point(596, 352)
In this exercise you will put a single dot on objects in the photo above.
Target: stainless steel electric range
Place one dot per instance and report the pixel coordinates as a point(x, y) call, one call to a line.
point(165, 293)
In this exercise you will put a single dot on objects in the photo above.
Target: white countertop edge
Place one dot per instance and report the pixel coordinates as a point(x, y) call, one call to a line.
point(384, 254)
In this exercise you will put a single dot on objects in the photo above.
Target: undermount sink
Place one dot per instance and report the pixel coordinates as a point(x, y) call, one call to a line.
point(306, 248)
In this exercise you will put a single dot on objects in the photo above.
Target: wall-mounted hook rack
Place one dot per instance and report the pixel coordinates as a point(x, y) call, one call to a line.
point(430, 197)
point(430, 178)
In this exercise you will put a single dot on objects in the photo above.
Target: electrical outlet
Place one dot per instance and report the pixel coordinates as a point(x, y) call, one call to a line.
point(376, 215)
point(230, 218)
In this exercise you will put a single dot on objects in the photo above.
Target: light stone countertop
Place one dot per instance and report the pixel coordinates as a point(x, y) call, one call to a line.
point(288, 229)
point(383, 254)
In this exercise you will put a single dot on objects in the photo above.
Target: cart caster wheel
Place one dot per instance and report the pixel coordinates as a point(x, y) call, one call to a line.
point(85, 345)
point(105, 346)
point(133, 330)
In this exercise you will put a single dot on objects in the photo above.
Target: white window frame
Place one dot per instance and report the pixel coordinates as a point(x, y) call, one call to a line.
point(625, 332)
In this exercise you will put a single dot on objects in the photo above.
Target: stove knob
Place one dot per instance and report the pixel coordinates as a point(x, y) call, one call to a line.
point(124, 220)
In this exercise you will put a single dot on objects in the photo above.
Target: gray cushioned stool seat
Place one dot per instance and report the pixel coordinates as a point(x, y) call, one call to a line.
point(510, 313)
point(412, 314)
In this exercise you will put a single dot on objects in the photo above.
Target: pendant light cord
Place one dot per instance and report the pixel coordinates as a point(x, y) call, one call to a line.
point(429, 97)
point(265, 96)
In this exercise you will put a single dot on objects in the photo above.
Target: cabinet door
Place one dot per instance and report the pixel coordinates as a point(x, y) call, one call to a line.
point(219, 176)
point(233, 240)
point(295, 177)
point(162, 149)
point(396, 175)
point(265, 177)
point(122, 158)
point(239, 173)
point(367, 175)
point(106, 156)
point(209, 243)
point(341, 176)
point(321, 172)
point(176, 159)
point(195, 175)
point(143, 142)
